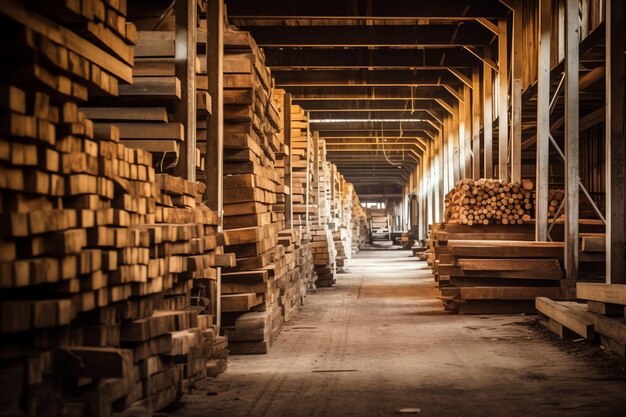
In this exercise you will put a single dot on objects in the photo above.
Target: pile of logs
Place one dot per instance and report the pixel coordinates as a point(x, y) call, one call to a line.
point(490, 201)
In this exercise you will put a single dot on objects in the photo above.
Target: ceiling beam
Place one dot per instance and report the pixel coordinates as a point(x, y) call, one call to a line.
point(355, 58)
point(334, 9)
point(366, 77)
point(466, 33)
point(303, 93)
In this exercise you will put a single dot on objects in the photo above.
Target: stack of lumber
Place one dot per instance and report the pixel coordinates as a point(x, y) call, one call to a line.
point(379, 224)
point(358, 224)
point(261, 288)
point(601, 318)
point(324, 254)
point(483, 276)
point(293, 285)
point(302, 156)
point(490, 201)
point(96, 314)
point(144, 111)
point(342, 240)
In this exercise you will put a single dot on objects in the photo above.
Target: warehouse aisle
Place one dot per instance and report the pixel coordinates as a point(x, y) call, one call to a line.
point(378, 343)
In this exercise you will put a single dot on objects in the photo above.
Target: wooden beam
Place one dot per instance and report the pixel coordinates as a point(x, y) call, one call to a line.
point(214, 173)
point(467, 131)
point(543, 121)
point(516, 94)
point(288, 182)
point(476, 113)
point(340, 36)
point(488, 120)
point(571, 144)
point(185, 69)
point(332, 9)
point(503, 105)
point(615, 147)
point(489, 25)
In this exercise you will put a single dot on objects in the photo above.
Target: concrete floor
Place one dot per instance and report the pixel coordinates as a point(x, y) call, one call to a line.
point(379, 344)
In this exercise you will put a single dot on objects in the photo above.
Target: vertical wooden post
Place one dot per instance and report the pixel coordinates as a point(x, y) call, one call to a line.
point(488, 119)
point(503, 100)
point(516, 95)
point(186, 17)
point(571, 143)
point(467, 133)
point(455, 145)
point(446, 162)
point(316, 174)
point(615, 147)
point(214, 171)
point(476, 123)
point(288, 170)
point(543, 121)
point(463, 147)
point(307, 193)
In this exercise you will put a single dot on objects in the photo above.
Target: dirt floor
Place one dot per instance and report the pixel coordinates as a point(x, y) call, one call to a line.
point(379, 344)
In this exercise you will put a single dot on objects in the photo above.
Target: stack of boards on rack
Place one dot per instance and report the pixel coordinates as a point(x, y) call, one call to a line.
point(99, 255)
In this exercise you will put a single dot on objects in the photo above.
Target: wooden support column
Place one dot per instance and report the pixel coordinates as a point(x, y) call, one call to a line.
point(441, 191)
point(615, 147)
point(455, 145)
point(571, 144)
point(476, 123)
point(307, 195)
point(186, 18)
point(516, 95)
point(214, 171)
point(438, 175)
point(543, 121)
point(488, 119)
point(467, 132)
point(463, 149)
point(288, 169)
point(503, 103)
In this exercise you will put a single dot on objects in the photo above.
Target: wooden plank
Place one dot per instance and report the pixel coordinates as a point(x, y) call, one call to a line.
point(536, 265)
point(508, 293)
point(573, 319)
point(167, 88)
point(157, 131)
point(146, 114)
point(593, 243)
point(605, 293)
point(240, 302)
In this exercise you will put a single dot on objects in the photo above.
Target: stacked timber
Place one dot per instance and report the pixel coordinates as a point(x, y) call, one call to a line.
point(144, 112)
point(360, 231)
point(342, 240)
point(324, 254)
point(379, 224)
point(96, 314)
point(256, 291)
point(489, 201)
point(302, 155)
point(600, 319)
point(482, 276)
point(322, 244)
